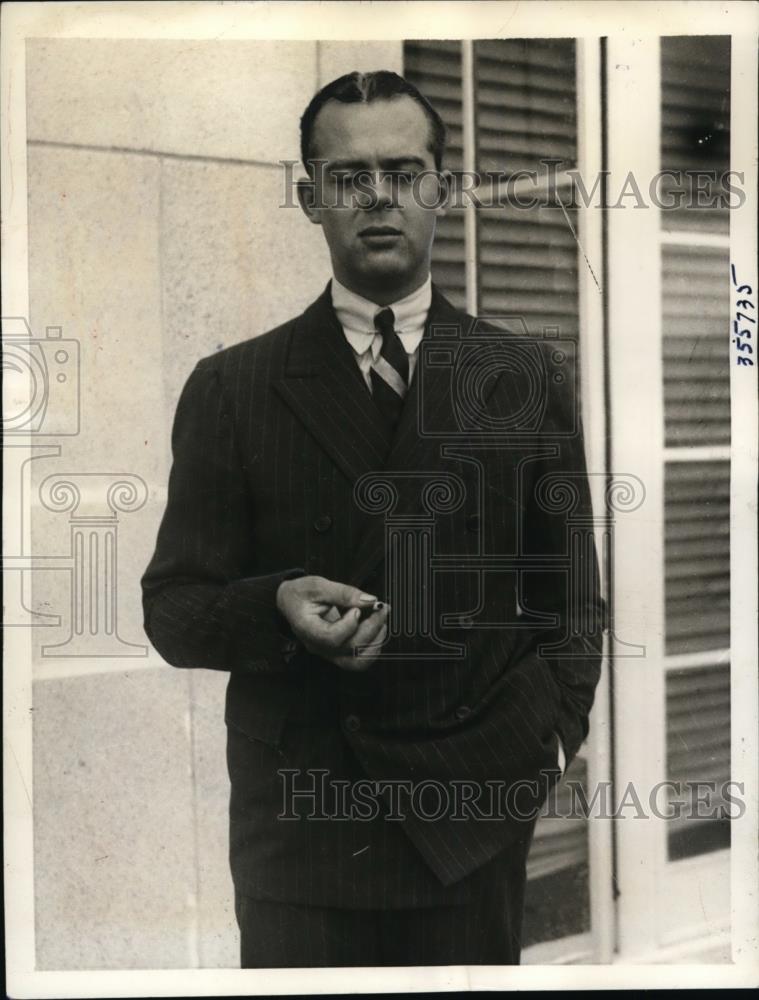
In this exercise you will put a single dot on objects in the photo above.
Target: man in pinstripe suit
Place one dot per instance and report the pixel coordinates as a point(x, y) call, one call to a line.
point(385, 577)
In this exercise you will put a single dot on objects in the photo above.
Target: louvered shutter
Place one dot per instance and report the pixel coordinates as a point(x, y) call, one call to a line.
point(525, 113)
point(695, 136)
point(525, 103)
point(435, 68)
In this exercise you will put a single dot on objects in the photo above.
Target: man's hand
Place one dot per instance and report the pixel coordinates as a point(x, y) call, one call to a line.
point(326, 617)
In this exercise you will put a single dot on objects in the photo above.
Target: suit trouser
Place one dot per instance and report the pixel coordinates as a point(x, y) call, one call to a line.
point(485, 931)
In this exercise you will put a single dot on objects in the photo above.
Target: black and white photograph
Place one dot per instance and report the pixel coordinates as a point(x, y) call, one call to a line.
point(380, 477)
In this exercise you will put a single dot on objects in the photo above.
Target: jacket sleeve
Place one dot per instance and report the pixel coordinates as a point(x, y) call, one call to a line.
point(557, 527)
point(202, 608)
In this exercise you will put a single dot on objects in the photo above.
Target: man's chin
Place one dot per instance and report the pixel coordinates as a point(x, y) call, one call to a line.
point(385, 268)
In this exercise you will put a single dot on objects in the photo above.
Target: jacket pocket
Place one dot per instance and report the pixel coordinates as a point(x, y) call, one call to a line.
point(258, 707)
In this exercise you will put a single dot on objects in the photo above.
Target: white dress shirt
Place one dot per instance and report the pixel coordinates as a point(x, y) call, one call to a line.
point(356, 316)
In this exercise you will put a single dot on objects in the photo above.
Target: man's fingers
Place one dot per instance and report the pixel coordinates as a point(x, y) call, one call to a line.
point(331, 635)
point(370, 649)
point(363, 656)
point(342, 594)
point(369, 630)
point(340, 637)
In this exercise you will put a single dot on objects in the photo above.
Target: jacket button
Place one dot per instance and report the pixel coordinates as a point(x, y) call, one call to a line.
point(323, 522)
point(473, 522)
point(352, 723)
point(463, 712)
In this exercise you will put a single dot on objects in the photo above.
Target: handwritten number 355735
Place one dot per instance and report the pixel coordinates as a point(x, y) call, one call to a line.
point(742, 335)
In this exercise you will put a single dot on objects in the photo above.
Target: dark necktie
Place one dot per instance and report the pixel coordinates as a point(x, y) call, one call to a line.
point(389, 373)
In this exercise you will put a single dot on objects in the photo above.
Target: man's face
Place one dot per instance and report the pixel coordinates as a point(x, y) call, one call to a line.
point(380, 234)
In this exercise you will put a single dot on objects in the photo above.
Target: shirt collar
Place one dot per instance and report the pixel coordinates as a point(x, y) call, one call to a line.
point(356, 316)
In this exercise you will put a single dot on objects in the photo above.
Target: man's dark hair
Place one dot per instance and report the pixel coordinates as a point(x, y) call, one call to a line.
point(361, 88)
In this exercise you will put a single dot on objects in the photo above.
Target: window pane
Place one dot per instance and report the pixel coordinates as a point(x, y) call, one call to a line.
point(698, 754)
point(697, 556)
point(696, 124)
point(696, 357)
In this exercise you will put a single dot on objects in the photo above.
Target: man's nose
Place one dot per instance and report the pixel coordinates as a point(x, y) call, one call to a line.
point(379, 184)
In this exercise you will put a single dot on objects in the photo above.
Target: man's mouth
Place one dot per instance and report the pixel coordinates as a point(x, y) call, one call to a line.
point(379, 232)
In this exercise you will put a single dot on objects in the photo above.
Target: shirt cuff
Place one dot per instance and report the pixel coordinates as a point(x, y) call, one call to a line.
point(561, 755)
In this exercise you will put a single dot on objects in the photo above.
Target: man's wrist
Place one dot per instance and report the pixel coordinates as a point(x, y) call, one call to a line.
point(283, 625)
point(278, 597)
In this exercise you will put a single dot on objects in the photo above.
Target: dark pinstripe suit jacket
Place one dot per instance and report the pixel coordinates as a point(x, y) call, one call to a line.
point(272, 440)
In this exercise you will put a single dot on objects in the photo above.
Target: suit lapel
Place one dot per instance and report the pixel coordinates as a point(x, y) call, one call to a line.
point(325, 388)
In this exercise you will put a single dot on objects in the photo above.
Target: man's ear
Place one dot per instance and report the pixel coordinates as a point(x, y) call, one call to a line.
point(446, 188)
point(306, 198)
